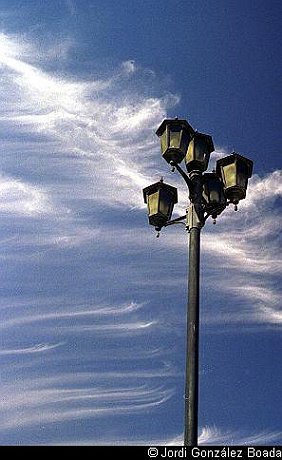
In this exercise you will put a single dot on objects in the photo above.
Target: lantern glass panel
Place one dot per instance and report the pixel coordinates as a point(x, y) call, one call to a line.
point(214, 196)
point(164, 141)
point(198, 153)
point(200, 148)
point(185, 139)
point(229, 172)
point(190, 152)
point(213, 190)
point(174, 137)
point(165, 203)
point(153, 203)
point(242, 175)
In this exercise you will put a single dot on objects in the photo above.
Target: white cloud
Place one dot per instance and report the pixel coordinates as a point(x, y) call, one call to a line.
point(21, 198)
point(216, 436)
point(212, 436)
point(115, 314)
point(40, 348)
point(78, 140)
point(114, 130)
point(264, 189)
point(129, 66)
point(245, 246)
point(41, 406)
point(14, 46)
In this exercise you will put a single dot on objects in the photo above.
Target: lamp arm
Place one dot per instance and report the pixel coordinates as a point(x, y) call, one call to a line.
point(176, 221)
point(184, 175)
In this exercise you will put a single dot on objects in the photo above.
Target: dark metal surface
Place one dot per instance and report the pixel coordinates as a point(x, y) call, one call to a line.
point(192, 359)
point(183, 174)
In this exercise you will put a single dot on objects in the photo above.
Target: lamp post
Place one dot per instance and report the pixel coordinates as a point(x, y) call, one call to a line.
point(209, 194)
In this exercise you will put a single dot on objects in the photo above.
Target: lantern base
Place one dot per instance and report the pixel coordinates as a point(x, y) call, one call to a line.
point(158, 221)
point(235, 194)
point(173, 156)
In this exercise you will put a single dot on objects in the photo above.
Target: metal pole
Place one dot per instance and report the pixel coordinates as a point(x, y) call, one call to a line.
point(194, 224)
point(192, 358)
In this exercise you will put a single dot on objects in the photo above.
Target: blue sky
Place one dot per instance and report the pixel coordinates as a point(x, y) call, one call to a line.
point(93, 305)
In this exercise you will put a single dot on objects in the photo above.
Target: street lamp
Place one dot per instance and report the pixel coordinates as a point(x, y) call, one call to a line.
point(209, 194)
point(175, 136)
point(235, 170)
point(198, 153)
point(213, 194)
point(160, 199)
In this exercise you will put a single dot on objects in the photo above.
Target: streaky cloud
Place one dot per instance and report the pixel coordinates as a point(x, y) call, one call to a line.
point(100, 312)
point(40, 348)
point(217, 436)
point(208, 436)
point(61, 404)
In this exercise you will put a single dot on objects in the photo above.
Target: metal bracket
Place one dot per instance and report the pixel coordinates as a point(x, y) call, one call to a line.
point(178, 220)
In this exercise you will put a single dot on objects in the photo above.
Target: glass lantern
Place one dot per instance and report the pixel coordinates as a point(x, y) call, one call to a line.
point(160, 199)
point(213, 194)
point(175, 136)
point(198, 153)
point(234, 170)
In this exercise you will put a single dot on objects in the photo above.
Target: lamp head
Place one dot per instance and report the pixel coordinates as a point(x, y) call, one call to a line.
point(160, 199)
point(213, 194)
point(234, 171)
point(198, 153)
point(175, 136)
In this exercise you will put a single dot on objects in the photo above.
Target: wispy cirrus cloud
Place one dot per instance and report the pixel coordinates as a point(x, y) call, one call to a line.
point(21, 406)
point(208, 436)
point(87, 136)
point(214, 436)
point(99, 320)
point(20, 198)
point(250, 250)
point(40, 348)
point(76, 154)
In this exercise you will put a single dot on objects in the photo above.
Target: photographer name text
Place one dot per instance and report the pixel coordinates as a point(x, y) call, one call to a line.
point(223, 452)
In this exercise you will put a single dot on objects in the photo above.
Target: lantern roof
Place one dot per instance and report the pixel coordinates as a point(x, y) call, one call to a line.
point(174, 122)
point(233, 158)
point(160, 186)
